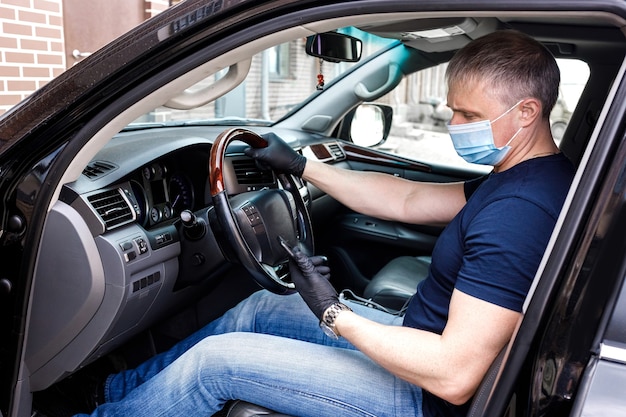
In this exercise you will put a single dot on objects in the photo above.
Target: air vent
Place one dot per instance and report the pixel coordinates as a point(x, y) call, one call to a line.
point(336, 151)
point(248, 173)
point(112, 207)
point(97, 169)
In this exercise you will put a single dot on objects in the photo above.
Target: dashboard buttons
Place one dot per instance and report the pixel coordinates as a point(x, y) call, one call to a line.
point(133, 248)
point(146, 281)
point(142, 245)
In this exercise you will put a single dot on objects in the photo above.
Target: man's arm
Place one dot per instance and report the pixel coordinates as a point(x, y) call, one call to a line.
point(387, 197)
point(380, 195)
point(450, 365)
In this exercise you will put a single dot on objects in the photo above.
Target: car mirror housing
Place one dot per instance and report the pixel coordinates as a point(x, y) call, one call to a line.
point(334, 47)
point(370, 124)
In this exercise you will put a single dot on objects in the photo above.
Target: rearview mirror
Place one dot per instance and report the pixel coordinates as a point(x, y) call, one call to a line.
point(334, 47)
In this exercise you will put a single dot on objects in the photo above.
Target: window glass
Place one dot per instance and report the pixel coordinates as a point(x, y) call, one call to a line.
point(278, 61)
point(420, 114)
point(279, 80)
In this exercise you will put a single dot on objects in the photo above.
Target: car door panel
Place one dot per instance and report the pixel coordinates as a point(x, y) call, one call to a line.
point(360, 245)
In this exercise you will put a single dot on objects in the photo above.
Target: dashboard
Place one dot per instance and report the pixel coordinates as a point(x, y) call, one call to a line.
point(114, 259)
point(166, 187)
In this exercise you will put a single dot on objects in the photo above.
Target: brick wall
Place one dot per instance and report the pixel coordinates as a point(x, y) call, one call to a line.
point(31, 47)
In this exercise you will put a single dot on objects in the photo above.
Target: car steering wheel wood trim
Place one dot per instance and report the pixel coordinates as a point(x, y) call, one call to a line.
point(251, 223)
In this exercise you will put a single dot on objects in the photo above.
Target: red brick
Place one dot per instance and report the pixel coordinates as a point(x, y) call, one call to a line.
point(36, 72)
point(19, 58)
point(20, 85)
point(49, 59)
point(32, 17)
point(55, 20)
point(9, 99)
point(57, 46)
point(9, 71)
point(57, 71)
point(47, 6)
point(7, 13)
point(21, 3)
point(32, 44)
point(6, 42)
point(16, 29)
point(48, 33)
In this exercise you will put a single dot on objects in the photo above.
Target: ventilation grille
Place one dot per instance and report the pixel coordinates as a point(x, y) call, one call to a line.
point(112, 208)
point(248, 173)
point(97, 169)
point(336, 151)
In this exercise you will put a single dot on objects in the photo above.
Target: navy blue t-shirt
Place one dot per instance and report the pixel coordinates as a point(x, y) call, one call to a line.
point(491, 250)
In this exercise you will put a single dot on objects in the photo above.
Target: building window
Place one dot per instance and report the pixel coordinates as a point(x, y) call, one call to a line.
point(278, 61)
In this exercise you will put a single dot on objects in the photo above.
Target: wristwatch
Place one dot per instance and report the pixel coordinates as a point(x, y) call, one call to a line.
point(328, 319)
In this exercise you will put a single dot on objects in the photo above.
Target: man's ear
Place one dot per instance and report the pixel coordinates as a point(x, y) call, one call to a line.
point(530, 110)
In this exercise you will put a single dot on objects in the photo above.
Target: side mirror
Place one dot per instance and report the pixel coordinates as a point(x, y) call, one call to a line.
point(370, 124)
point(334, 47)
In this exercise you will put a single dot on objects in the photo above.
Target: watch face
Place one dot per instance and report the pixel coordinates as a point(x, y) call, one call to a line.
point(328, 330)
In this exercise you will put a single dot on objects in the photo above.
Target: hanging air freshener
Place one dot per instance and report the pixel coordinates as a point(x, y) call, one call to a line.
point(320, 78)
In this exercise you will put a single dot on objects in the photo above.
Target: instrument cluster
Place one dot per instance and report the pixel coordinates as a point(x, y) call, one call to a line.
point(161, 194)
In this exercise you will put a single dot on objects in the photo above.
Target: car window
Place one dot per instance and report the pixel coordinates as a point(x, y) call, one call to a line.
point(420, 114)
point(280, 79)
point(284, 77)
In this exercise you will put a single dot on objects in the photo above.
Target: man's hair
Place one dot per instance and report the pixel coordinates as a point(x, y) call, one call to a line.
point(512, 65)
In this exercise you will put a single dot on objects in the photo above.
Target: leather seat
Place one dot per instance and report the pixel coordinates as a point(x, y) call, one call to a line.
point(246, 409)
point(397, 281)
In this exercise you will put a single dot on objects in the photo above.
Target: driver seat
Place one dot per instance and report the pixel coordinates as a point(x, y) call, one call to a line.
point(245, 409)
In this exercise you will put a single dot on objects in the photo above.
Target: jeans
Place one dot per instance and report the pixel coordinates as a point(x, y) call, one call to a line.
point(268, 350)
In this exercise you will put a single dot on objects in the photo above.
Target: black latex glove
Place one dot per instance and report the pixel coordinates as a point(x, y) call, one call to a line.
point(311, 279)
point(278, 155)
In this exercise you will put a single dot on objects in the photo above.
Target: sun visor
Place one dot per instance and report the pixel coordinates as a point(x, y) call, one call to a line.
point(435, 35)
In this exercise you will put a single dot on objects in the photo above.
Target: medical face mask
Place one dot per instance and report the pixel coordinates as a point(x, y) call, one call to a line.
point(474, 141)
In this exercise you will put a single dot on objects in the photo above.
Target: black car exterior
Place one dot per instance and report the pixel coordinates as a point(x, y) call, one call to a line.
point(568, 357)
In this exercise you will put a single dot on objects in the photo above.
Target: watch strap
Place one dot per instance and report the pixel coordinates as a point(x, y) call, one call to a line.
point(330, 315)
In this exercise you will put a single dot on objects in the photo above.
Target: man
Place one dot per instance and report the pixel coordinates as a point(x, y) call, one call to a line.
point(269, 349)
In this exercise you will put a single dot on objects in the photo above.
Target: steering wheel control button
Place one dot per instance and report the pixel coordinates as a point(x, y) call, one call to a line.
point(253, 215)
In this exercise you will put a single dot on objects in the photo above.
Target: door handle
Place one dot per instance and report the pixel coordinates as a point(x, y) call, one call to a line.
point(78, 54)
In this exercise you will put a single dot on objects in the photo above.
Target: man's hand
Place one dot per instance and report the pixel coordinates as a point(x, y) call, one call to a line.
point(278, 155)
point(310, 276)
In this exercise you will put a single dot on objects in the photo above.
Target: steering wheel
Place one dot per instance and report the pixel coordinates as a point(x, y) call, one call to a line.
point(252, 224)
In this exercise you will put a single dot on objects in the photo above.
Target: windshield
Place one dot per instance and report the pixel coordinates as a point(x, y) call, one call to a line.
point(279, 79)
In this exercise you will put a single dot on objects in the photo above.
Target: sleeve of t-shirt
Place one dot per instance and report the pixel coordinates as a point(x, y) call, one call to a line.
point(471, 185)
point(504, 245)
